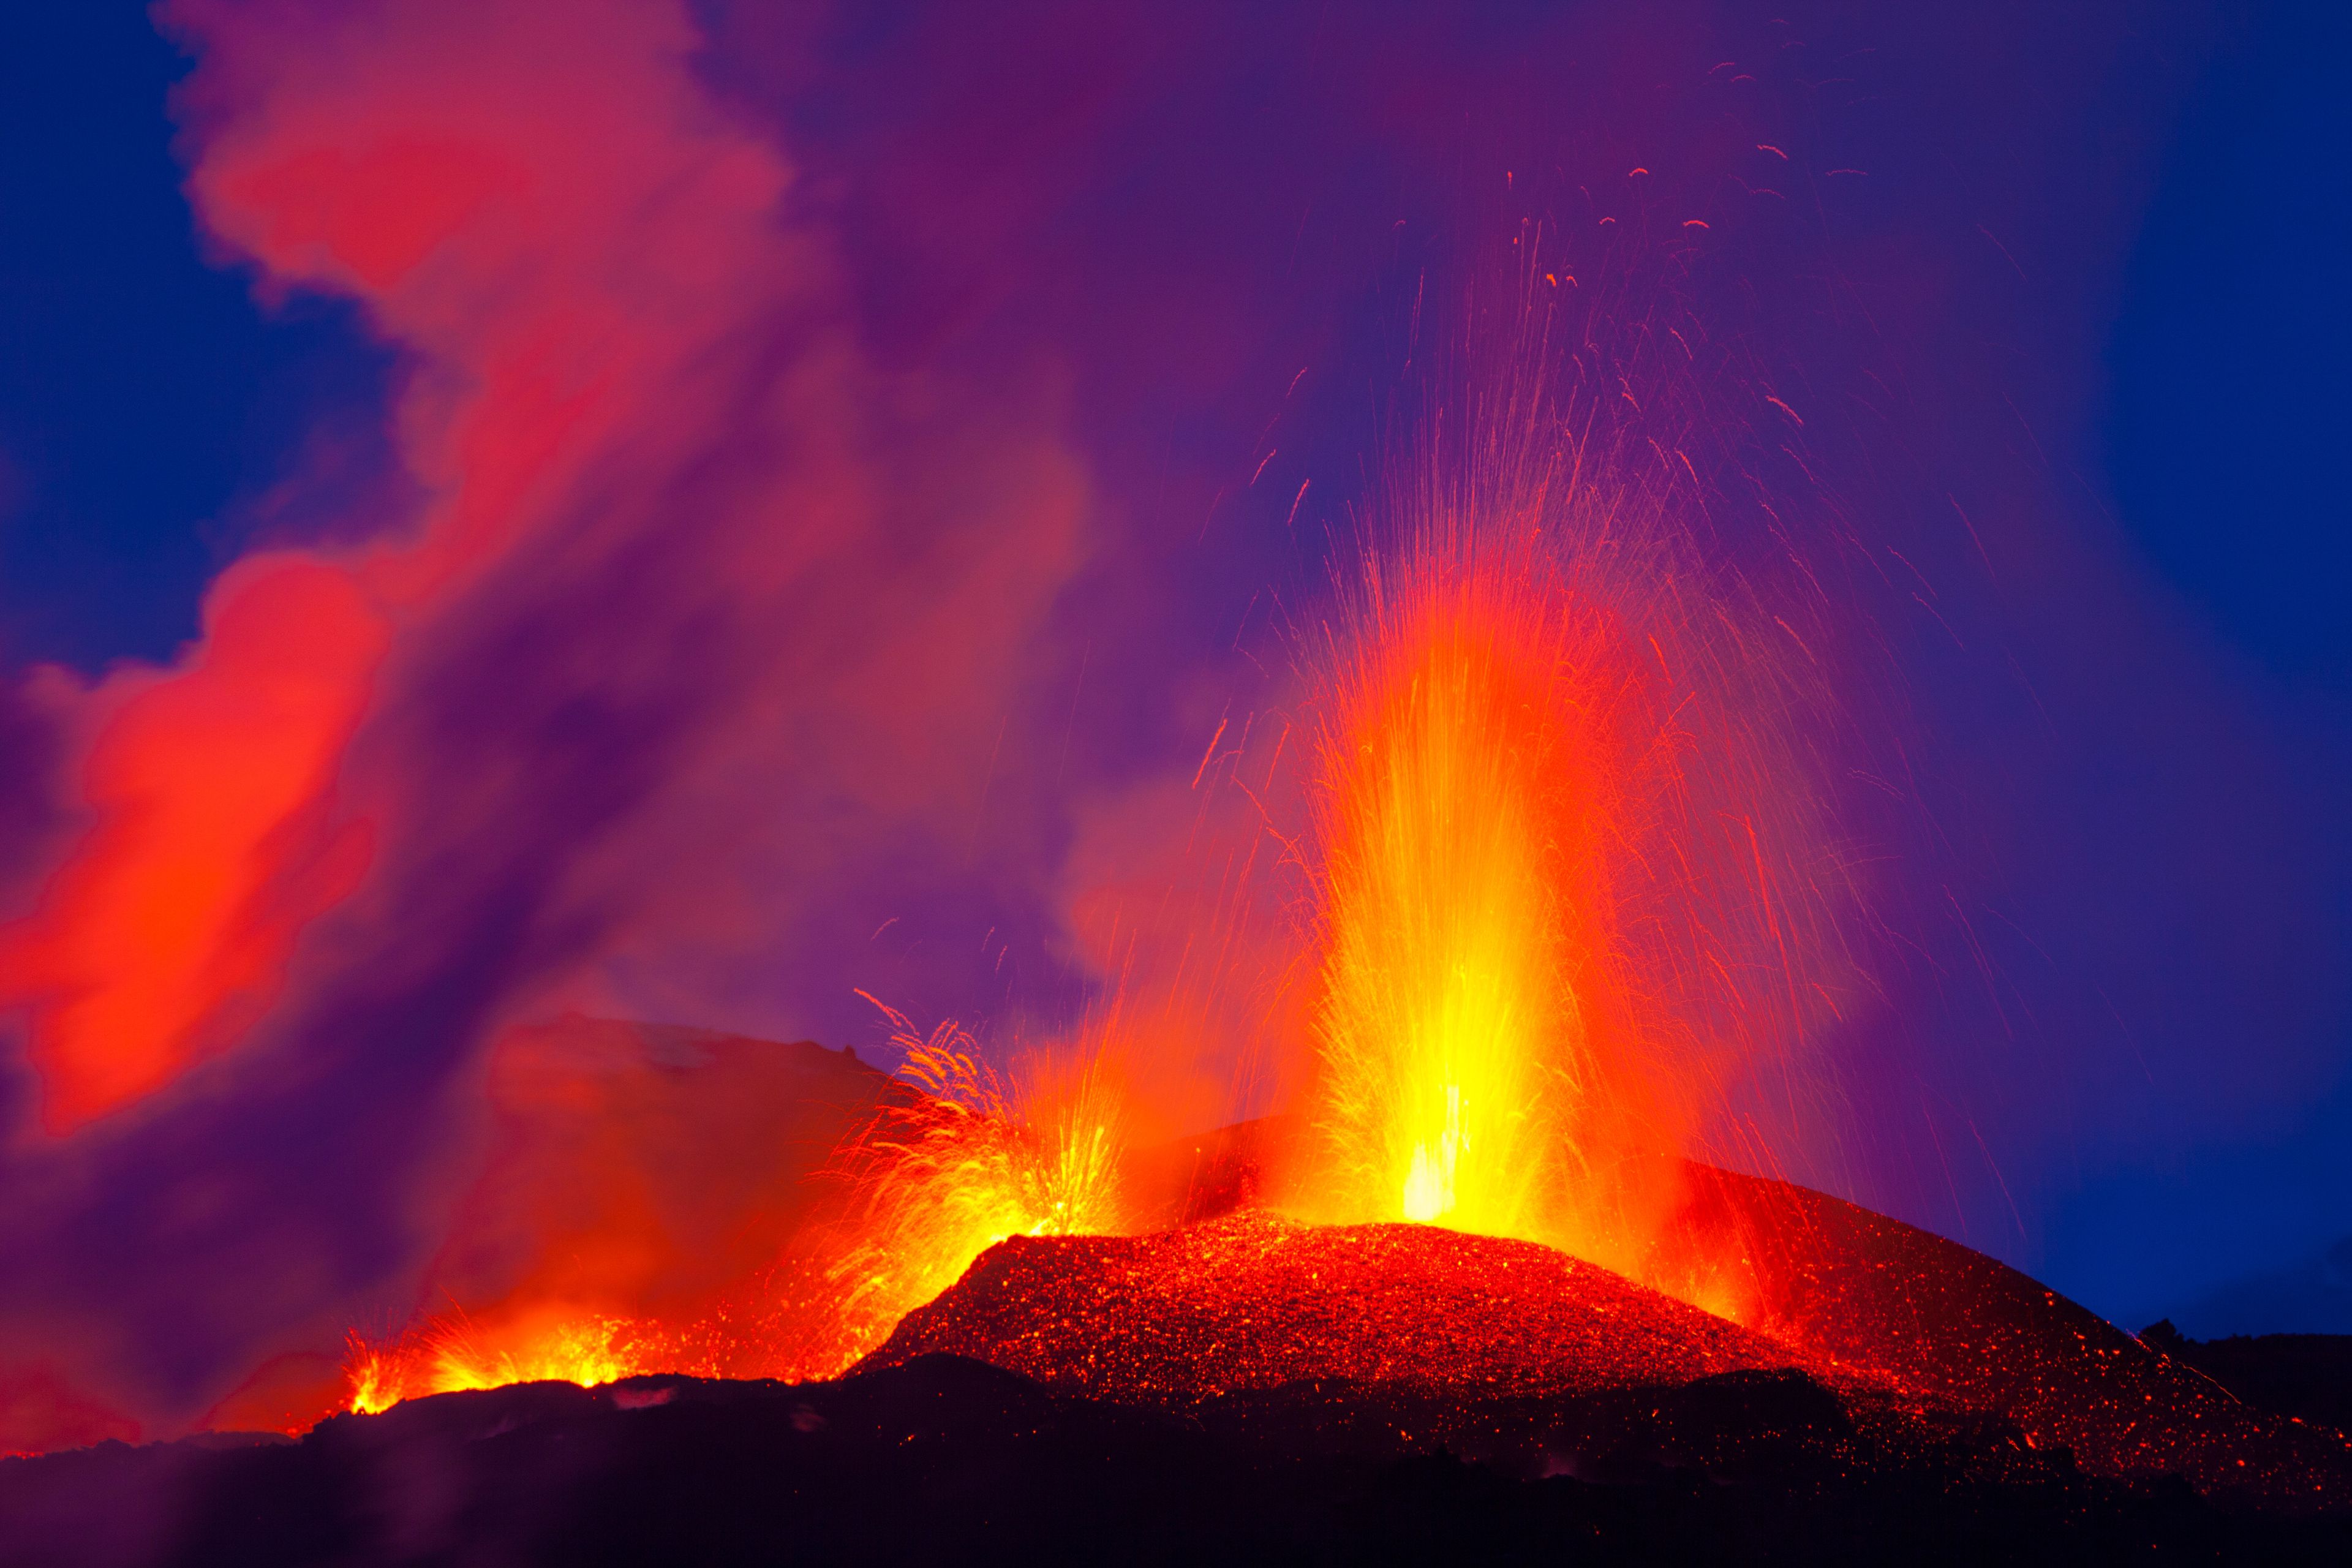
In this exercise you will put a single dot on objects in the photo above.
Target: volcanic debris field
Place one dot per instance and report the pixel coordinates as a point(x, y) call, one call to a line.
point(1249, 1388)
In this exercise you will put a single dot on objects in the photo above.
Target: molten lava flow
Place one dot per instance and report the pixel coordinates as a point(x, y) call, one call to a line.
point(450, 1356)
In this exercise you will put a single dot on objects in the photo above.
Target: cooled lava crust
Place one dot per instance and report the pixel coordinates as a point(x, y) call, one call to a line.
point(1254, 1301)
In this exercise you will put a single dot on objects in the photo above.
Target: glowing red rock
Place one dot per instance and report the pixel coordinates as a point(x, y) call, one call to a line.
point(1252, 1301)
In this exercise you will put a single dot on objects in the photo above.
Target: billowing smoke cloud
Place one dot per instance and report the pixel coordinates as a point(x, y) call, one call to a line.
point(703, 605)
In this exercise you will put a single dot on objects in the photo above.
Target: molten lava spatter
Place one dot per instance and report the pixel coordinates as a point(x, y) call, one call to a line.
point(951, 1160)
point(1458, 817)
point(963, 1164)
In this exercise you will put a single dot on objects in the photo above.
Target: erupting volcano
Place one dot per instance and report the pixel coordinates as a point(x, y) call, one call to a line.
point(1563, 893)
point(1542, 846)
point(1518, 857)
point(1336, 907)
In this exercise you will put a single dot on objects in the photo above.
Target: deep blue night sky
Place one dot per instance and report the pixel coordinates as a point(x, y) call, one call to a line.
point(2182, 360)
point(151, 402)
point(2223, 405)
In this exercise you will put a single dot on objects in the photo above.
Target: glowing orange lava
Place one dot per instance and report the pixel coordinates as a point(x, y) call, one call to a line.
point(1478, 757)
point(453, 1355)
point(956, 1162)
point(1569, 874)
point(1458, 815)
point(963, 1165)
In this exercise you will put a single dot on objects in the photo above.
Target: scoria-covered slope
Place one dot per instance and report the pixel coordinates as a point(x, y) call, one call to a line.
point(1256, 1301)
point(1945, 1325)
point(1864, 1301)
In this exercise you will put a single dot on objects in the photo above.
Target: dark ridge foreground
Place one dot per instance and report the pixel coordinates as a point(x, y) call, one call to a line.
point(948, 1461)
point(1946, 1326)
point(2308, 1376)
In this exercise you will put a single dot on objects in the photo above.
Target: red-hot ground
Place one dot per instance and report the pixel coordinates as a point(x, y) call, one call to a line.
point(1891, 1316)
point(1946, 1325)
point(1256, 1301)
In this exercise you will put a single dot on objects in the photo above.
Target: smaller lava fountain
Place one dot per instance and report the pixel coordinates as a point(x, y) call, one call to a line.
point(964, 1164)
point(953, 1160)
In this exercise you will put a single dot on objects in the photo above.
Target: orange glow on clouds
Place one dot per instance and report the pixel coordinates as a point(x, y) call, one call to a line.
point(549, 243)
point(171, 927)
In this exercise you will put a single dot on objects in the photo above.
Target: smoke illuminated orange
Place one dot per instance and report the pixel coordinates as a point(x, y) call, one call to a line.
point(957, 1162)
point(169, 930)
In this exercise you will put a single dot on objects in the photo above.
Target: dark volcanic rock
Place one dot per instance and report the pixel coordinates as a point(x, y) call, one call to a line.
point(1953, 1328)
point(946, 1460)
point(2307, 1377)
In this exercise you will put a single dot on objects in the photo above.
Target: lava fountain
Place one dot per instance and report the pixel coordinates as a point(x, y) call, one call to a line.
point(1459, 815)
point(1572, 895)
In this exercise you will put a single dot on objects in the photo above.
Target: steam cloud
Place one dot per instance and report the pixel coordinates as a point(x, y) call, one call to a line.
point(703, 604)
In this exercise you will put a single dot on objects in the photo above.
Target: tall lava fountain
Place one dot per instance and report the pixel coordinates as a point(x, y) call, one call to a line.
point(1568, 857)
point(1459, 815)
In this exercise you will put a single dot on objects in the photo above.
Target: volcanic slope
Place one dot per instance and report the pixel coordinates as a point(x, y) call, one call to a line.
point(1866, 1302)
point(1256, 1301)
point(1946, 1326)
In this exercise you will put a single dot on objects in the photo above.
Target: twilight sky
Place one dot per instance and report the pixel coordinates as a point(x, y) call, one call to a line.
point(693, 512)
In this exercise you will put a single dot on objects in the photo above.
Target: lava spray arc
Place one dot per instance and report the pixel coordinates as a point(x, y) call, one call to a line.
point(1574, 895)
point(954, 1158)
point(968, 1161)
